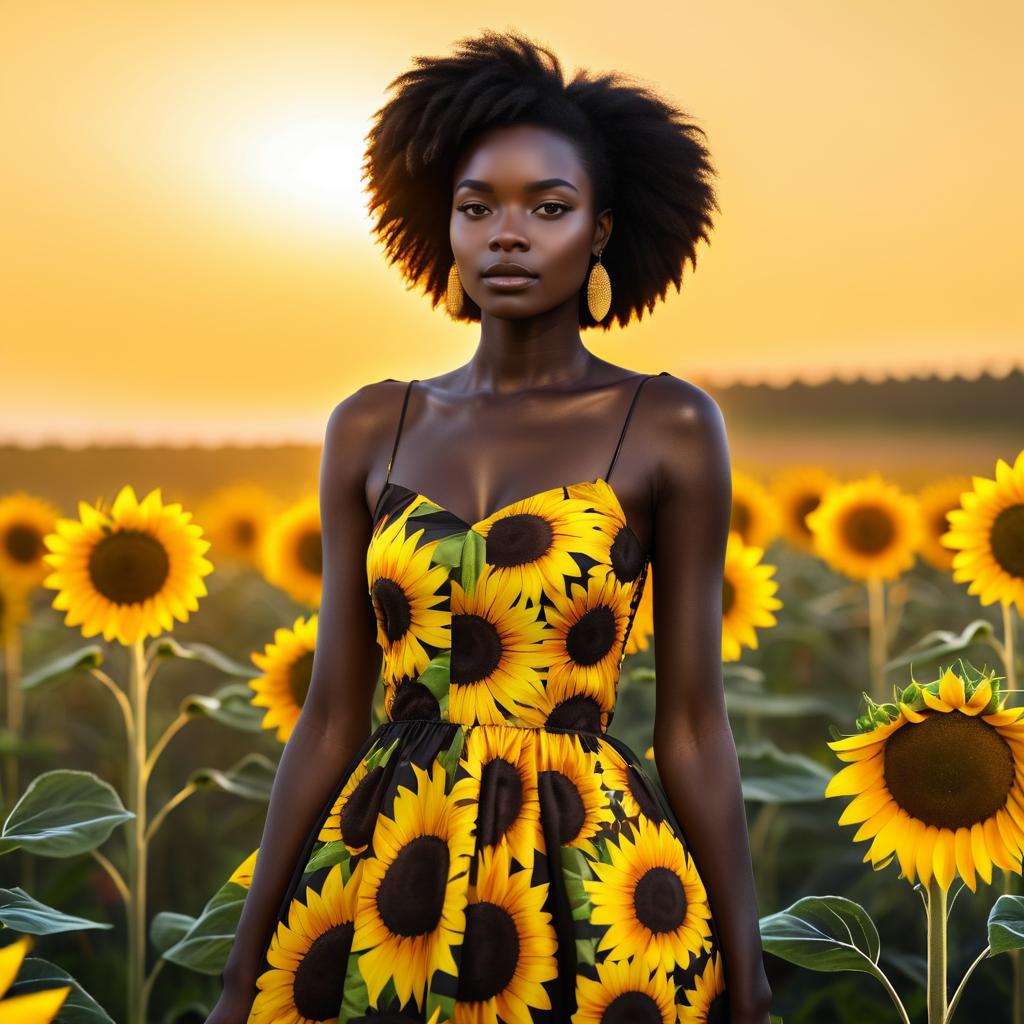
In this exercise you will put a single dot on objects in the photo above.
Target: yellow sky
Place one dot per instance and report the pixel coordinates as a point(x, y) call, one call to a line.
point(187, 256)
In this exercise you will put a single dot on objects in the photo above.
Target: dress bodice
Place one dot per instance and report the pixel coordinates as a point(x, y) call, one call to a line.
point(519, 619)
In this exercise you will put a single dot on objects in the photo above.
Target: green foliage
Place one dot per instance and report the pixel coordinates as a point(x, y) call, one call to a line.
point(22, 913)
point(63, 813)
point(38, 975)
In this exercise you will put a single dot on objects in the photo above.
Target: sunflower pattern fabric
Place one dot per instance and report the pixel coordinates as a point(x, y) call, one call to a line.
point(492, 855)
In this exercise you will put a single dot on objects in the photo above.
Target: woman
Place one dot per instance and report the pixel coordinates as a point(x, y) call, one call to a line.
point(490, 853)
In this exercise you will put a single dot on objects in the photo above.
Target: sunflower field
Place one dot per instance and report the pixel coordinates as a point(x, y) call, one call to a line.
point(156, 659)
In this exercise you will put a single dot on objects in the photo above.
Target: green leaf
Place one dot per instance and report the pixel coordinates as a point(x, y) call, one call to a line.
point(205, 946)
point(252, 777)
point(1006, 924)
point(78, 1007)
point(63, 812)
point(168, 928)
point(771, 775)
point(24, 913)
point(824, 933)
point(942, 641)
point(779, 705)
point(64, 667)
point(168, 647)
point(231, 705)
point(327, 856)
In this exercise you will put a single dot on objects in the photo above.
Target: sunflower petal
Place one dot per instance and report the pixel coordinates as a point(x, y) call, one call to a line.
point(964, 859)
point(923, 854)
point(855, 778)
point(944, 858)
point(951, 689)
point(935, 702)
point(979, 699)
point(982, 861)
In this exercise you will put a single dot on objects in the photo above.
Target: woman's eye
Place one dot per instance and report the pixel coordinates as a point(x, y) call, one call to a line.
point(559, 207)
point(466, 206)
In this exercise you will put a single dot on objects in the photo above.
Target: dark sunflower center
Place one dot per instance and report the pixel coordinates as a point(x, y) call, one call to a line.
point(244, 532)
point(421, 867)
point(1007, 540)
point(660, 900)
point(319, 978)
point(950, 770)
point(804, 507)
point(490, 952)
point(868, 529)
point(728, 596)
point(299, 675)
point(740, 518)
point(394, 606)
point(562, 804)
point(632, 1008)
point(309, 551)
point(359, 812)
point(647, 804)
point(500, 801)
point(580, 712)
point(592, 636)
point(24, 543)
point(518, 540)
point(128, 566)
point(476, 649)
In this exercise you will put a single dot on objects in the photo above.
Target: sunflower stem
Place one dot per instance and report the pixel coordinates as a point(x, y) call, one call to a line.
point(15, 707)
point(936, 952)
point(963, 983)
point(1011, 886)
point(137, 992)
point(876, 637)
point(1008, 649)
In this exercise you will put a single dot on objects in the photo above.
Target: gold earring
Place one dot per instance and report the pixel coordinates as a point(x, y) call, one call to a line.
point(454, 295)
point(599, 291)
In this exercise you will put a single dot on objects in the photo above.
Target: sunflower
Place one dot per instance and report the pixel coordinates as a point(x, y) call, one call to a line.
point(530, 542)
point(351, 817)
point(308, 955)
point(406, 590)
point(643, 996)
point(705, 1002)
point(586, 637)
point(867, 529)
point(747, 601)
point(988, 536)
point(242, 875)
point(937, 779)
point(24, 523)
point(652, 899)
point(287, 666)
point(291, 553)
point(936, 500)
point(643, 619)
point(621, 777)
point(14, 608)
point(128, 572)
point(568, 777)
point(500, 759)
point(33, 1007)
point(496, 650)
point(235, 518)
point(755, 516)
point(428, 845)
point(509, 948)
point(798, 490)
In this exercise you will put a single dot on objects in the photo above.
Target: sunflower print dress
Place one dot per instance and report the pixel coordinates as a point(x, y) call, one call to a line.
point(492, 855)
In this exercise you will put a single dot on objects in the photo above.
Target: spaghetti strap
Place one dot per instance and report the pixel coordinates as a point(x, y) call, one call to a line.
point(629, 413)
point(398, 432)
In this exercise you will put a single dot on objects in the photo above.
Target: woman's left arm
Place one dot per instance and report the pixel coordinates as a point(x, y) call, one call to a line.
point(693, 742)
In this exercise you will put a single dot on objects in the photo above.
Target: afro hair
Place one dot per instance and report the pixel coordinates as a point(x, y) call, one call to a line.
point(645, 158)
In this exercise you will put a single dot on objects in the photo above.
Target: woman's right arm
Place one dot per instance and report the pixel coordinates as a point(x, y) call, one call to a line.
point(335, 718)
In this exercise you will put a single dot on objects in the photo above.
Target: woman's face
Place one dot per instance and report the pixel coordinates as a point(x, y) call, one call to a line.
point(508, 207)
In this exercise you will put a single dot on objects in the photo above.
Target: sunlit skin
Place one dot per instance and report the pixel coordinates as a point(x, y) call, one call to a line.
point(531, 409)
point(498, 214)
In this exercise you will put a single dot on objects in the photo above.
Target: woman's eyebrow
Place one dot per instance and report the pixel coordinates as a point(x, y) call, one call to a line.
point(530, 186)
